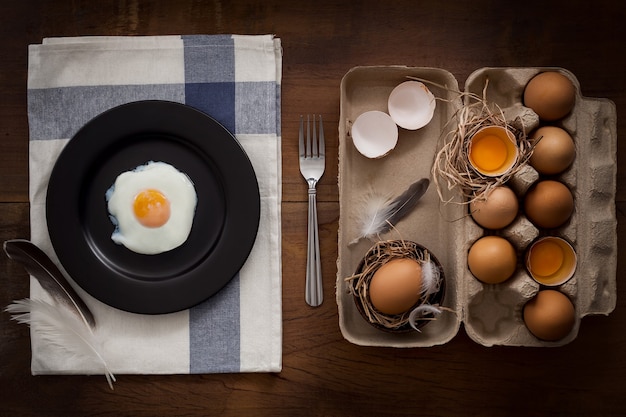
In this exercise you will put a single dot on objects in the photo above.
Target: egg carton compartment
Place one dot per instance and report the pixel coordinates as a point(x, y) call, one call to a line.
point(593, 221)
point(491, 313)
point(364, 89)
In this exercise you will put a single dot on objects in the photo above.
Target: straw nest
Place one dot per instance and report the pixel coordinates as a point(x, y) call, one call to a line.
point(381, 253)
point(452, 169)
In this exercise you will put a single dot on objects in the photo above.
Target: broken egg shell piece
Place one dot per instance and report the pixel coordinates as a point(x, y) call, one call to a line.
point(411, 105)
point(374, 134)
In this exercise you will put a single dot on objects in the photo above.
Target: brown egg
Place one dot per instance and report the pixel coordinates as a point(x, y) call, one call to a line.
point(492, 259)
point(550, 315)
point(396, 286)
point(554, 151)
point(549, 204)
point(550, 94)
point(497, 210)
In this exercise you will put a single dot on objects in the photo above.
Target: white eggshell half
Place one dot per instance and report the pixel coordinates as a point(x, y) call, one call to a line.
point(374, 134)
point(411, 105)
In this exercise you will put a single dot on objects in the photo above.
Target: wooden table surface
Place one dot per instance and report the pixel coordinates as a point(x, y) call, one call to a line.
point(323, 374)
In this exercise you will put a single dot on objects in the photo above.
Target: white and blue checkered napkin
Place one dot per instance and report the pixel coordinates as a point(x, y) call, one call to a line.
point(235, 79)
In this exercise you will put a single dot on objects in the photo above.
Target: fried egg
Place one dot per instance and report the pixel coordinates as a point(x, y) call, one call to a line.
point(152, 208)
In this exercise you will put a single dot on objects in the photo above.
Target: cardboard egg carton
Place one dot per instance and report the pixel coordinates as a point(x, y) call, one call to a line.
point(491, 314)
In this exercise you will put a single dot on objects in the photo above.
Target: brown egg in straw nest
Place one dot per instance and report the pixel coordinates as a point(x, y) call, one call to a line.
point(452, 165)
point(432, 291)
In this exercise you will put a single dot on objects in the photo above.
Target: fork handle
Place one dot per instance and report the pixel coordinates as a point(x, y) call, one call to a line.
point(314, 294)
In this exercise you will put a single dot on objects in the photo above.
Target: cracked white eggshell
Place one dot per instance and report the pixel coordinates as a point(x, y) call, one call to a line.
point(411, 105)
point(374, 134)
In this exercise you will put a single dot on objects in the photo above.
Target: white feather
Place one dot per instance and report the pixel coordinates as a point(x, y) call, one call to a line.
point(431, 279)
point(419, 312)
point(374, 214)
point(62, 329)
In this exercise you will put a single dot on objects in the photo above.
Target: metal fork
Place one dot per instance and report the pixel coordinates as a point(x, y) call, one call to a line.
point(312, 162)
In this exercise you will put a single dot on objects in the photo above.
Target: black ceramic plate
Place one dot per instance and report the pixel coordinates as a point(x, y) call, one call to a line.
point(225, 223)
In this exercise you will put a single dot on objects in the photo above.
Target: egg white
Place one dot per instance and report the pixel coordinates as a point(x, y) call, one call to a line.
point(177, 188)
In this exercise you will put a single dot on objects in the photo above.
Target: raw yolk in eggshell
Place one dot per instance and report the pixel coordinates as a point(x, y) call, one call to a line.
point(489, 153)
point(547, 258)
point(151, 208)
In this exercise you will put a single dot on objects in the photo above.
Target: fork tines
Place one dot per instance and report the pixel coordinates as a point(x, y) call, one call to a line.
point(314, 146)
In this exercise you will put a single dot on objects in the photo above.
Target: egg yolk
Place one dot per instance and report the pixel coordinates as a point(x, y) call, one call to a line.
point(489, 153)
point(151, 208)
point(546, 258)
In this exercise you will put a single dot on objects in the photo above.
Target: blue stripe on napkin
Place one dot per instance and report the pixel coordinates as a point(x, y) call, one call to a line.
point(210, 76)
point(63, 111)
point(230, 104)
point(215, 99)
point(260, 96)
point(209, 65)
point(210, 86)
point(214, 342)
